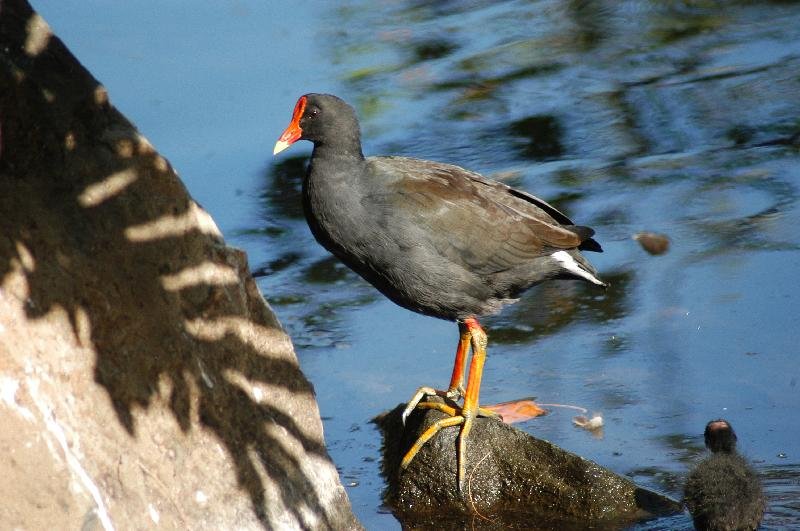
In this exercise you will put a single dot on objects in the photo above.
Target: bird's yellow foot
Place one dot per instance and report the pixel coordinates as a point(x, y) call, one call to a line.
point(453, 395)
point(456, 417)
point(464, 415)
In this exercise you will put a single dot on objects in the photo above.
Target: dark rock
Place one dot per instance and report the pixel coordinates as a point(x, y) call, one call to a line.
point(512, 480)
point(144, 382)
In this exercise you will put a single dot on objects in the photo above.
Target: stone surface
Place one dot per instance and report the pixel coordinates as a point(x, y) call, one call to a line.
point(144, 382)
point(513, 480)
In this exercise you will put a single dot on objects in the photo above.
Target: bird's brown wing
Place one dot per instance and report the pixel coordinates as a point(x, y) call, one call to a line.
point(483, 225)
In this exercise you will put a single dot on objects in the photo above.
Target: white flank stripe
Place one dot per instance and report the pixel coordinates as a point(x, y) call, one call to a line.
point(569, 263)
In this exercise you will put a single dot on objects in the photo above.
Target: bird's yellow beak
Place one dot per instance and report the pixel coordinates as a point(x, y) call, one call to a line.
point(280, 145)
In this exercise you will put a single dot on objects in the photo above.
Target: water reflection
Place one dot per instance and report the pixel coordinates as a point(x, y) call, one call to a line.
point(538, 137)
point(782, 488)
point(671, 117)
point(326, 271)
point(431, 48)
point(736, 218)
point(282, 195)
point(592, 22)
point(558, 304)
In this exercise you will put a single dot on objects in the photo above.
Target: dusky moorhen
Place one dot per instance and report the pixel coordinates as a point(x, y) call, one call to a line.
point(434, 238)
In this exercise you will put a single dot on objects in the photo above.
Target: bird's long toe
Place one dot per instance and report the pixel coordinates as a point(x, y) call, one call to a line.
point(456, 416)
point(432, 430)
point(423, 392)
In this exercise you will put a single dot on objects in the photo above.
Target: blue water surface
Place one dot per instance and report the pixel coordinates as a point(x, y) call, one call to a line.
point(630, 116)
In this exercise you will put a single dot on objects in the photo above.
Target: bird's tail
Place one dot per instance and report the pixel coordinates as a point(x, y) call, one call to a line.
point(574, 265)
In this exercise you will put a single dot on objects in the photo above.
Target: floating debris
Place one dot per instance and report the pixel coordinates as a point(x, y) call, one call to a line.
point(652, 242)
point(517, 410)
point(591, 424)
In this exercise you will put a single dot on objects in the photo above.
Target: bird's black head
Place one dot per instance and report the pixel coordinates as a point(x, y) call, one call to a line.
point(325, 120)
point(720, 437)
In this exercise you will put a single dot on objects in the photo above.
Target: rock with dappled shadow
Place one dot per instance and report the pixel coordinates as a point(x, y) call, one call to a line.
point(144, 382)
point(513, 480)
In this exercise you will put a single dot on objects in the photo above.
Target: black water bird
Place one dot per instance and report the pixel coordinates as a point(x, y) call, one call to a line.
point(723, 492)
point(434, 238)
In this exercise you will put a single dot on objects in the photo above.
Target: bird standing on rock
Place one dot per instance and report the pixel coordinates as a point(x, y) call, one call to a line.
point(434, 238)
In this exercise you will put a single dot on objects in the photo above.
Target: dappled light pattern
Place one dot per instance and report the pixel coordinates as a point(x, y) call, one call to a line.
point(99, 229)
point(38, 35)
point(205, 273)
point(194, 219)
point(114, 184)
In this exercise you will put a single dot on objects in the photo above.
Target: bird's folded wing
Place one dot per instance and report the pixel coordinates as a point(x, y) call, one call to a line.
point(478, 223)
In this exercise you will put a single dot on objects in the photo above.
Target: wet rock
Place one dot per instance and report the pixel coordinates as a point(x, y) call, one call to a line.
point(144, 382)
point(513, 480)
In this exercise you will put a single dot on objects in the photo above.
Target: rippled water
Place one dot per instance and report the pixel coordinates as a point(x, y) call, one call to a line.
point(671, 117)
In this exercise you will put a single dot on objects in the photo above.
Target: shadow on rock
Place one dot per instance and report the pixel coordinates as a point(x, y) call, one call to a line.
point(96, 224)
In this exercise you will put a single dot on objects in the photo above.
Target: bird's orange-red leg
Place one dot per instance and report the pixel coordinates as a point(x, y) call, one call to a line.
point(466, 414)
point(470, 409)
point(479, 340)
point(456, 389)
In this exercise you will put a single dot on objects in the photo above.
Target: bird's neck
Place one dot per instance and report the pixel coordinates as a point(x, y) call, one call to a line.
point(338, 151)
point(332, 192)
point(342, 147)
point(334, 165)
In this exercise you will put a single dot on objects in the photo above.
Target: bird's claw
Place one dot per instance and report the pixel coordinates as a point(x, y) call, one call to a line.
point(421, 393)
point(455, 394)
